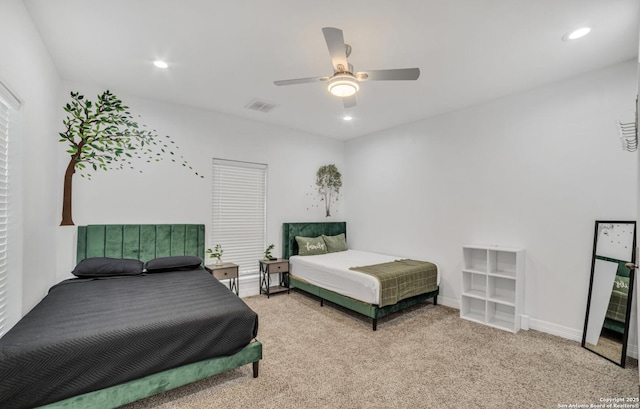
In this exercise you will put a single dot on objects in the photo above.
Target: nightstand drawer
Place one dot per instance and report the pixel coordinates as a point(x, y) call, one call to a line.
point(225, 273)
point(280, 267)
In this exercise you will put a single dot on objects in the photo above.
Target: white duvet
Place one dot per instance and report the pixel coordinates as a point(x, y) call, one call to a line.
point(331, 271)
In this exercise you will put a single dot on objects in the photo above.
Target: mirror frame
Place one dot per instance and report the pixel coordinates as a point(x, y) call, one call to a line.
point(625, 335)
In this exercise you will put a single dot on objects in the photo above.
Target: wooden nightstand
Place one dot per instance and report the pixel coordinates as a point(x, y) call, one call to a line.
point(226, 271)
point(278, 266)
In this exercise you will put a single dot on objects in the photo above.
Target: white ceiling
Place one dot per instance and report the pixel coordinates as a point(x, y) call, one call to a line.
point(223, 54)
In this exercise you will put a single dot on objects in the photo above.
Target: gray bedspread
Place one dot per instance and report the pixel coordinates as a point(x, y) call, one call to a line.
point(88, 334)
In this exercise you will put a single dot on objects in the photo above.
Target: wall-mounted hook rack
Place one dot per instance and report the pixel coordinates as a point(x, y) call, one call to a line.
point(628, 133)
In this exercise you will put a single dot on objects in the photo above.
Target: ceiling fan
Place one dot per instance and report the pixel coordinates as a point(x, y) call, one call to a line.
point(344, 82)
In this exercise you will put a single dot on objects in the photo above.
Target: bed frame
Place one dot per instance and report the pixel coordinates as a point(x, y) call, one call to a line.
point(373, 311)
point(145, 242)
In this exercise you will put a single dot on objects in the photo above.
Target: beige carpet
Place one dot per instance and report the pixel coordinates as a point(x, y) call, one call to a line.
point(427, 357)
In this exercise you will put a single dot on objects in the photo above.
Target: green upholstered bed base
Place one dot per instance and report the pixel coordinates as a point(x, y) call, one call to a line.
point(145, 242)
point(132, 391)
point(613, 325)
point(289, 246)
point(370, 310)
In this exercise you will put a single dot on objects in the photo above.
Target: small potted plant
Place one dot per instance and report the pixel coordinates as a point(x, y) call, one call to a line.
point(267, 252)
point(216, 253)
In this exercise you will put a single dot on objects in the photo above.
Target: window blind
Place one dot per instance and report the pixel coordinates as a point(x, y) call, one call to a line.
point(4, 201)
point(239, 213)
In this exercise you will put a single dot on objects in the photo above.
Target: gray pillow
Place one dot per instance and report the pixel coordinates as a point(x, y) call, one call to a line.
point(311, 246)
point(107, 267)
point(173, 263)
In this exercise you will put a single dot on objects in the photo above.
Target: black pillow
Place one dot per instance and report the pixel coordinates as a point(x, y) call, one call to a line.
point(107, 267)
point(173, 263)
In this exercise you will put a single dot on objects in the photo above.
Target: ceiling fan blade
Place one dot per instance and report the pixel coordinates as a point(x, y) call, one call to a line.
point(300, 81)
point(389, 75)
point(349, 101)
point(337, 49)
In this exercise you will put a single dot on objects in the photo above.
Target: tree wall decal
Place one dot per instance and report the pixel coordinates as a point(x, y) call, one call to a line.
point(104, 135)
point(329, 182)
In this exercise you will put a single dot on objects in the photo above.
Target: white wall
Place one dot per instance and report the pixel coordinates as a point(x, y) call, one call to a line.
point(532, 170)
point(166, 192)
point(26, 68)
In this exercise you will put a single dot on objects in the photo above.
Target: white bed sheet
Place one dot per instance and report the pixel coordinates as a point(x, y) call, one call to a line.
point(331, 271)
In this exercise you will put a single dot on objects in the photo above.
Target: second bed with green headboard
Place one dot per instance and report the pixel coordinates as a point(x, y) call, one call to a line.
point(350, 287)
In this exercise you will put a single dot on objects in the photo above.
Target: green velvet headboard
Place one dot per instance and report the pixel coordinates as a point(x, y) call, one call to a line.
point(291, 230)
point(140, 241)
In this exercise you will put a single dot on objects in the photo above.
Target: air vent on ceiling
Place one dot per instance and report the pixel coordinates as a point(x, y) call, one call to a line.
point(260, 105)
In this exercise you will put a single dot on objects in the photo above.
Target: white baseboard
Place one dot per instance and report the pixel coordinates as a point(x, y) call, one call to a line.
point(555, 329)
point(449, 302)
point(249, 285)
point(570, 333)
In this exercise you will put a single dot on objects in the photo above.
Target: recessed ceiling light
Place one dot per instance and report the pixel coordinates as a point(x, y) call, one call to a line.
point(347, 118)
point(579, 33)
point(160, 64)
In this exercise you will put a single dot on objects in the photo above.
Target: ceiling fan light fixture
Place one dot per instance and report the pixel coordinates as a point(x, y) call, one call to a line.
point(343, 86)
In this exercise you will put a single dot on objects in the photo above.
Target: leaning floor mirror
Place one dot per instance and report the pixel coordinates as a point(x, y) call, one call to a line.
point(606, 325)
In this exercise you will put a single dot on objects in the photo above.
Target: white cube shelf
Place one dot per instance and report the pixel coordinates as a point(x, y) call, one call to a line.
point(474, 309)
point(493, 286)
point(473, 284)
point(501, 316)
point(503, 263)
point(476, 260)
point(501, 290)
